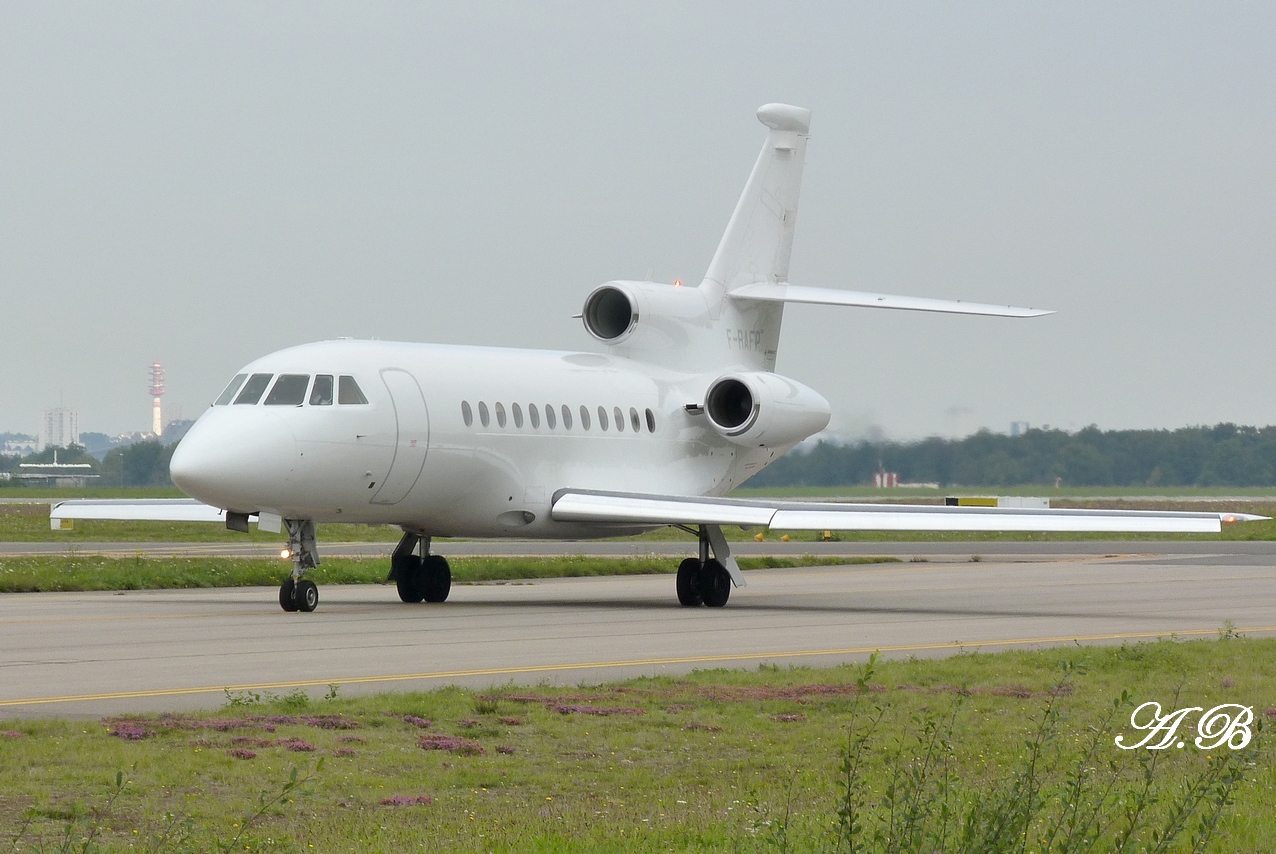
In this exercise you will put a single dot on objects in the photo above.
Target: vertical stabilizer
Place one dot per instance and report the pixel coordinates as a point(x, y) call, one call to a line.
point(759, 238)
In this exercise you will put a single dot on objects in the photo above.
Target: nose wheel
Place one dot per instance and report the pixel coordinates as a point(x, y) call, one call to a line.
point(298, 593)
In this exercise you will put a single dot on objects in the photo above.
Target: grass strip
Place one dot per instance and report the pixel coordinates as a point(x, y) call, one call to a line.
point(995, 752)
point(78, 573)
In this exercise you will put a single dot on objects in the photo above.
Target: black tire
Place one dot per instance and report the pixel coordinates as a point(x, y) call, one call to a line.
point(286, 599)
point(407, 574)
point(689, 583)
point(715, 584)
point(436, 578)
point(307, 596)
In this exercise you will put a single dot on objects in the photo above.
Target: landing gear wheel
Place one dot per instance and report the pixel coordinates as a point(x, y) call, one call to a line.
point(715, 584)
point(689, 583)
point(307, 596)
point(436, 577)
point(286, 599)
point(408, 577)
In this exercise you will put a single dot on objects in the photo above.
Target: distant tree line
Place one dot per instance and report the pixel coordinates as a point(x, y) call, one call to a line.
point(1222, 455)
point(140, 464)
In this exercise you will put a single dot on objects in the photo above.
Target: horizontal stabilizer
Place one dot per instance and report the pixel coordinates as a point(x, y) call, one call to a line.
point(635, 509)
point(766, 292)
point(135, 510)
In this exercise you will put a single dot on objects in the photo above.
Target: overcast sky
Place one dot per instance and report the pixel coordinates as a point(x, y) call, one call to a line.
point(200, 184)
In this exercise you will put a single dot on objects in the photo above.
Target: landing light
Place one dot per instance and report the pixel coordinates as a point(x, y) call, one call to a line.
point(285, 554)
point(1229, 519)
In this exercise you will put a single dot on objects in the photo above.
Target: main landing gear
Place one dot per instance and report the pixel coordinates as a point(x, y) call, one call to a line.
point(298, 593)
point(705, 580)
point(419, 575)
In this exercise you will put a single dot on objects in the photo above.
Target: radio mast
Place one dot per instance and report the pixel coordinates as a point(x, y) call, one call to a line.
point(157, 391)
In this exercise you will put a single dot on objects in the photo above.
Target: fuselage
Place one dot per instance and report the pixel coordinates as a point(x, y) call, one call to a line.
point(452, 440)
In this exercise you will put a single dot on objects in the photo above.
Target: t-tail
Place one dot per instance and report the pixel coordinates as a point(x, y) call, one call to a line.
point(732, 320)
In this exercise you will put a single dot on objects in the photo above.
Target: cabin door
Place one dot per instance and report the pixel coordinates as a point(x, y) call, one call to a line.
point(413, 421)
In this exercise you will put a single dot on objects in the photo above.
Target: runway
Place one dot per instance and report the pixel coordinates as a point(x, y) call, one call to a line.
point(91, 654)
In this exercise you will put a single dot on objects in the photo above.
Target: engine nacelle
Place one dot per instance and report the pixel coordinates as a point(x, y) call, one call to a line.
point(758, 408)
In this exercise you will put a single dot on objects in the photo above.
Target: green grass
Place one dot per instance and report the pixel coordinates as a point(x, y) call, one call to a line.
point(90, 572)
point(59, 493)
point(714, 761)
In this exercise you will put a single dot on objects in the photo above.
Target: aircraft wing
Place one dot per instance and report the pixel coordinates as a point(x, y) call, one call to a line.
point(136, 510)
point(768, 292)
point(573, 505)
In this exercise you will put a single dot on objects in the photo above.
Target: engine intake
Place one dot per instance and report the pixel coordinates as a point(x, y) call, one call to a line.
point(610, 314)
point(731, 406)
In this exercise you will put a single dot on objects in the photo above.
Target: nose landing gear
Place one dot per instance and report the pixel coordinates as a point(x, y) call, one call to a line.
point(298, 593)
point(419, 575)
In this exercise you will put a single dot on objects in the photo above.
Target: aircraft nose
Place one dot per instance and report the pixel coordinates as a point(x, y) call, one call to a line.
point(236, 460)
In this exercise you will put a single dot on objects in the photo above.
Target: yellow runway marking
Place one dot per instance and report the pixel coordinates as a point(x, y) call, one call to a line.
point(595, 665)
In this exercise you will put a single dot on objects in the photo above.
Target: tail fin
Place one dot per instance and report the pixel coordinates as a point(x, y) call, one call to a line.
point(759, 237)
point(756, 245)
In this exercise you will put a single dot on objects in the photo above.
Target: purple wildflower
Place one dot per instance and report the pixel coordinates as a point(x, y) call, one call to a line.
point(297, 745)
point(452, 744)
point(601, 711)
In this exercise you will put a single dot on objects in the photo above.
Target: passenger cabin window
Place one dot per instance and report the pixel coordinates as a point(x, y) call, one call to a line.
point(517, 412)
point(567, 417)
point(467, 415)
point(584, 417)
point(534, 415)
point(549, 416)
point(229, 394)
point(633, 420)
point(500, 415)
point(602, 418)
point(484, 418)
point(289, 390)
point(348, 391)
point(253, 389)
point(620, 419)
point(651, 421)
point(321, 393)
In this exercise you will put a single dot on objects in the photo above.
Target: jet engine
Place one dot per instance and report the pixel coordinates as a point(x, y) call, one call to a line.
point(758, 408)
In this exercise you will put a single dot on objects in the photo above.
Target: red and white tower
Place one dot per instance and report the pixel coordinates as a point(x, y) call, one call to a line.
point(157, 391)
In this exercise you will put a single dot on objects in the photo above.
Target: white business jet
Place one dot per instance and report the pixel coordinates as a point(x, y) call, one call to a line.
point(457, 441)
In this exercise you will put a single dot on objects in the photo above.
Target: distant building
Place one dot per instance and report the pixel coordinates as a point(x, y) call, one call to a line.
point(1018, 428)
point(60, 428)
point(56, 473)
point(15, 443)
point(175, 431)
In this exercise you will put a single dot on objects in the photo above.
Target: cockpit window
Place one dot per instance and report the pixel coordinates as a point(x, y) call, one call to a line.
point(229, 393)
point(253, 389)
point(289, 390)
point(348, 391)
point(321, 394)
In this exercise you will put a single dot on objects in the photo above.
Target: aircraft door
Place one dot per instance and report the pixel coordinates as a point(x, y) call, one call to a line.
point(413, 421)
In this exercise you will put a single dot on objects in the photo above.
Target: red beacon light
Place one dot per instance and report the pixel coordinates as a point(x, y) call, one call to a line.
point(677, 283)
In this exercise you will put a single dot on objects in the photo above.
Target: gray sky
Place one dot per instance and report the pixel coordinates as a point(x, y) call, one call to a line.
point(200, 184)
